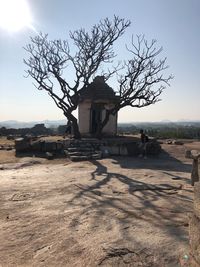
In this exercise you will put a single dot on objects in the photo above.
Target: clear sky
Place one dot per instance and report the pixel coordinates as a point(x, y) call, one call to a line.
point(174, 23)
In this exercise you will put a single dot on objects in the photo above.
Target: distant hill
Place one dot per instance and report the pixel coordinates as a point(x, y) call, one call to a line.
point(20, 124)
point(55, 123)
point(161, 124)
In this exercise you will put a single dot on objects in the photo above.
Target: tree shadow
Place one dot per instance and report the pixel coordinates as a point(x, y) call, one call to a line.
point(114, 198)
point(165, 162)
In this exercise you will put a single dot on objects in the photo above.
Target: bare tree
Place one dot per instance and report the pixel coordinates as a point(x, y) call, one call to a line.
point(143, 79)
point(50, 64)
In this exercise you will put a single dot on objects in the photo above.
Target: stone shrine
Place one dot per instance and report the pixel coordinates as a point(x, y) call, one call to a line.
point(94, 100)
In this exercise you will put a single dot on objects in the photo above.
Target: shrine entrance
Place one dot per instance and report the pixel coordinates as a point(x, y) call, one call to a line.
point(95, 117)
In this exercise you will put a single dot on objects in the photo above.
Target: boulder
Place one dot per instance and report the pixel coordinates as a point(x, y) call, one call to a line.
point(22, 144)
point(177, 142)
point(49, 155)
point(195, 155)
point(49, 146)
point(197, 199)
point(194, 230)
point(37, 145)
point(194, 226)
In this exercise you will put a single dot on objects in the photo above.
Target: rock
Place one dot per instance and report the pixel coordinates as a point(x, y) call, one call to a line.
point(195, 155)
point(194, 231)
point(49, 155)
point(37, 145)
point(97, 155)
point(66, 153)
point(197, 199)
point(22, 144)
point(105, 151)
point(188, 154)
point(9, 148)
point(59, 146)
point(176, 142)
point(169, 142)
point(49, 146)
point(194, 226)
point(79, 158)
point(97, 192)
point(10, 137)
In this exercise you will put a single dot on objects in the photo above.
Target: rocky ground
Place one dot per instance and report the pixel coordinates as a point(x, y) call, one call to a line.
point(119, 211)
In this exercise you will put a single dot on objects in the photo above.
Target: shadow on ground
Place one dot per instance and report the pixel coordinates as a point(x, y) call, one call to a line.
point(131, 202)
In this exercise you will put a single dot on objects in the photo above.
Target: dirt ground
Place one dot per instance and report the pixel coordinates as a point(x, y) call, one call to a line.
point(119, 211)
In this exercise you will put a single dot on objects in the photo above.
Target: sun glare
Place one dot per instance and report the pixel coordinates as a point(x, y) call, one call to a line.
point(14, 15)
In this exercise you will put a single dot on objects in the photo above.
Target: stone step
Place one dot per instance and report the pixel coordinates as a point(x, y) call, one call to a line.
point(79, 153)
point(80, 157)
point(80, 149)
point(97, 156)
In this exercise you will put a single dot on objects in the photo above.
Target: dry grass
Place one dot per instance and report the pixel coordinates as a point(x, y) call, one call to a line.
point(5, 142)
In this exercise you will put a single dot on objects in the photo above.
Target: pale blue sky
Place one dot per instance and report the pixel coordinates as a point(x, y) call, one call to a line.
point(174, 23)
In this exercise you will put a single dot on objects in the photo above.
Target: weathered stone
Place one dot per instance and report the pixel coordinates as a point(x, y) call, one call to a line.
point(22, 144)
point(194, 231)
point(133, 149)
point(37, 146)
point(169, 142)
point(177, 142)
point(123, 150)
point(66, 153)
point(105, 151)
point(59, 146)
point(79, 158)
point(188, 154)
point(195, 155)
point(195, 172)
point(97, 155)
point(9, 148)
point(197, 199)
point(111, 150)
point(49, 155)
point(49, 146)
point(193, 262)
point(10, 137)
point(66, 143)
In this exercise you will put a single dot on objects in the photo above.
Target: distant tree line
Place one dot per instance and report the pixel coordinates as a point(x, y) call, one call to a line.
point(165, 132)
point(38, 129)
point(155, 131)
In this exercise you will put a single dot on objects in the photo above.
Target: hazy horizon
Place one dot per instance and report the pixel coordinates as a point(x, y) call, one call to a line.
point(62, 120)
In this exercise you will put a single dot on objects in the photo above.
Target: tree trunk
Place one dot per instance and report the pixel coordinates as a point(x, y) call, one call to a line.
point(75, 128)
point(77, 134)
point(102, 125)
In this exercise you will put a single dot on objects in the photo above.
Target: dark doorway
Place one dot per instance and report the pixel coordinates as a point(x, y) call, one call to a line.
point(95, 117)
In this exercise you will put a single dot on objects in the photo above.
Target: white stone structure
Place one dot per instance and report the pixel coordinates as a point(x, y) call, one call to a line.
point(94, 100)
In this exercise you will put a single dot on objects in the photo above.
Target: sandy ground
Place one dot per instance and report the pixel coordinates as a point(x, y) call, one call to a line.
point(118, 211)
